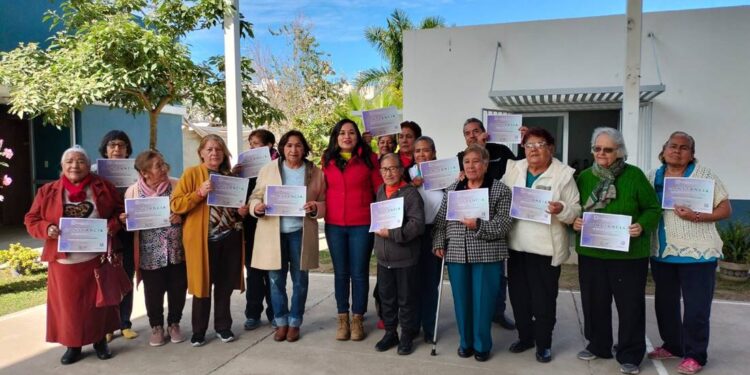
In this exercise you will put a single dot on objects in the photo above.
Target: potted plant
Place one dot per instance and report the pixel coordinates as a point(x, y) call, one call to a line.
point(736, 238)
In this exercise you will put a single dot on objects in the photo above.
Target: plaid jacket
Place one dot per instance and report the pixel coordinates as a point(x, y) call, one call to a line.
point(488, 243)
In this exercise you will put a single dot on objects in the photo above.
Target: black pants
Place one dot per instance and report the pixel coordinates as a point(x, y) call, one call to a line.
point(172, 280)
point(128, 263)
point(398, 289)
point(625, 280)
point(225, 269)
point(257, 286)
point(532, 286)
point(684, 335)
point(429, 282)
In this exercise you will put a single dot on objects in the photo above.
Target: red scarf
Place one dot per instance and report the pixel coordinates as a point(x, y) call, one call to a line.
point(406, 160)
point(76, 193)
point(390, 190)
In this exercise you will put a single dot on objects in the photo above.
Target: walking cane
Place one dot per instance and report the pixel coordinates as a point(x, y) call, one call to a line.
point(437, 309)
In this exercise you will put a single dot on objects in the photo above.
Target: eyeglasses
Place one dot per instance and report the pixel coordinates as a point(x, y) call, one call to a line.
point(606, 150)
point(534, 146)
point(386, 170)
point(117, 145)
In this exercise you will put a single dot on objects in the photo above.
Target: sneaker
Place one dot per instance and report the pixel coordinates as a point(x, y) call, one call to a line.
point(586, 355)
point(629, 368)
point(689, 366)
point(175, 334)
point(157, 336)
point(251, 324)
point(225, 336)
point(128, 333)
point(661, 353)
point(197, 340)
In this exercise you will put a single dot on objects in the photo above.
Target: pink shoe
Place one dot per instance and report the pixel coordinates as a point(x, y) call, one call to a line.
point(157, 336)
point(661, 353)
point(689, 366)
point(175, 334)
point(381, 324)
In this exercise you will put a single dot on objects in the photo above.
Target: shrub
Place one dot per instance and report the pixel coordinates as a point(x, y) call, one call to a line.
point(21, 258)
point(736, 237)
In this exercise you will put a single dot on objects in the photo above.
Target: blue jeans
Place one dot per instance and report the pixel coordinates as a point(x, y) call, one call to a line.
point(474, 286)
point(291, 251)
point(350, 247)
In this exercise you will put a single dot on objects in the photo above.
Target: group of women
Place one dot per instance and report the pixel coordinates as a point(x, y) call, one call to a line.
point(202, 249)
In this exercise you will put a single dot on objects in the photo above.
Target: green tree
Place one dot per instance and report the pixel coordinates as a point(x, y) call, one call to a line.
point(389, 41)
point(126, 53)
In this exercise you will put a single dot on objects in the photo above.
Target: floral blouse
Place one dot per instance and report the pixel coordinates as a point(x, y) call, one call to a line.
point(161, 247)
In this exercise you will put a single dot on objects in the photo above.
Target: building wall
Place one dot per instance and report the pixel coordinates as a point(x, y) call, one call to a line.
point(703, 57)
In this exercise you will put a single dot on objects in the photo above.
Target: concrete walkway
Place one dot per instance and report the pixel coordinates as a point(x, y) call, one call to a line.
point(255, 352)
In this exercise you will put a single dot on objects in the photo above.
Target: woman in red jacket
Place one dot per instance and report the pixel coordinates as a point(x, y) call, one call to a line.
point(352, 179)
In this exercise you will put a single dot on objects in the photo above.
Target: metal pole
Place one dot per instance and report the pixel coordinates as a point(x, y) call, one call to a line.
point(233, 80)
point(632, 85)
point(437, 309)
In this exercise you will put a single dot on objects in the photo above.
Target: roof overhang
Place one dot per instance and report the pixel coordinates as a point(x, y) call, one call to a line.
point(570, 99)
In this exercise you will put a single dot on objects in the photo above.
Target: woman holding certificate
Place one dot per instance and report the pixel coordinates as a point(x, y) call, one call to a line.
point(73, 319)
point(685, 250)
point(290, 240)
point(352, 178)
point(474, 249)
point(212, 236)
point(538, 247)
point(606, 270)
point(158, 252)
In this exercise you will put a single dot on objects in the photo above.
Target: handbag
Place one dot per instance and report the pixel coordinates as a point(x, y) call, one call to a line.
point(112, 283)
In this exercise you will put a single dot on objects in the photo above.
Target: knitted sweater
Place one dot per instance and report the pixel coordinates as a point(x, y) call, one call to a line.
point(635, 197)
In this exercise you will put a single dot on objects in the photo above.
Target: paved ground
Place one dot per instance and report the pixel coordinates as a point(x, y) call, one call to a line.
point(255, 352)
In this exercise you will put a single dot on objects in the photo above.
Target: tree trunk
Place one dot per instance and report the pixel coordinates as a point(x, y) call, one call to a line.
point(153, 119)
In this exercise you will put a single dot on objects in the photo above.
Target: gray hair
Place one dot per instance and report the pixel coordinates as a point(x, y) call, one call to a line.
point(393, 156)
point(78, 149)
point(429, 140)
point(675, 135)
point(615, 136)
point(481, 151)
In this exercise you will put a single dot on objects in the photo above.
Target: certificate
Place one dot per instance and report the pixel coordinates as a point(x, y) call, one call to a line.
point(120, 172)
point(473, 203)
point(694, 193)
point(388, 214)
point(285, 200)
point(253, 160)
point(227, 191)
point(147, 213)
point(439, 174)
point(82, 235)
point(531, 204)
point(606, 231)
point(382, 121)
point(504, 128)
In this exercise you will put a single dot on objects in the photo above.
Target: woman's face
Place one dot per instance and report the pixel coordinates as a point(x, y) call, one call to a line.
point(604, 150)
point(212, 155)
point(474, 167)
point(75, 167)
point(423, 152)
point(386, 145)
point(156, 172)
point(406, 141)
point(257, 142)
point(678, 152)
point(293, 150)
point(391, 172)
point(347, 137)
point(117, 149)
point(538, 152)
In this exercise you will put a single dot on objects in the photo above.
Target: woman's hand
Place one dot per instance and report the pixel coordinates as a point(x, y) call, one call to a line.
point(236, 170)
point(635, 230)
point(470, 223)
point(259, 209)
point(205, 188)
point(123, 217)
point(175, 219)
point(243, 210)
point(578, 224)
point(53, 232)
point(440, 253)
point(417, 181)
point(554, 208)
point(311, 208)
point(684, 213)
point(382, 233)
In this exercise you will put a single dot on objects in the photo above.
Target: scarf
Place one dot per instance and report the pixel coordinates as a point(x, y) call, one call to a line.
point(390, 190)
point(406, 160)
point(605, 190)
point(148, 191)
point(76, 193)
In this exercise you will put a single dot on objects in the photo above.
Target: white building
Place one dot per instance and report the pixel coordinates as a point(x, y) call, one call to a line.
point(567, 76)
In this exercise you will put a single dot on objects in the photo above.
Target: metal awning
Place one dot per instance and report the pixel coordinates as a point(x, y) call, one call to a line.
point(571, 99)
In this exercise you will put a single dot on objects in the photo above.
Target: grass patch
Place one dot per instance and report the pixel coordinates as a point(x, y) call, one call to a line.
point(22, 292)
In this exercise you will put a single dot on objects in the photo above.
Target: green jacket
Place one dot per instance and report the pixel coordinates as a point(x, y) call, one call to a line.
point(635, 197)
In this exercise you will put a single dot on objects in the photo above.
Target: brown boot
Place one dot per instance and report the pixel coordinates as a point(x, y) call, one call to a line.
point(358, 330)
point(342, 333)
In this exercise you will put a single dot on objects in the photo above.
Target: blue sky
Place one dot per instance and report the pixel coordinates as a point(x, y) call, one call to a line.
point(339, 24)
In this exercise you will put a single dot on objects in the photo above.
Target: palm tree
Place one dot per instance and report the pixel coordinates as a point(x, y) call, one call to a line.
point(389, 42)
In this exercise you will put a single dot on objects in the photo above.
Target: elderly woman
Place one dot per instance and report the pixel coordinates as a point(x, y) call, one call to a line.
point(352, 178)
point(685, 250)
point(290, 244)
point(536, 249)
point(116, 145)
point(212, 237)
point(611, 186)
point(159, 252)
point(429, 265)
point(474, 250)
point(386, 144)
point(397, 251)
point(73, 319)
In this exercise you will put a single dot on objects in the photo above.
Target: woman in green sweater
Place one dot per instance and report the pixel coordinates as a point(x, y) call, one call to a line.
point(614, 187)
